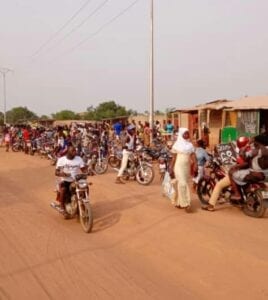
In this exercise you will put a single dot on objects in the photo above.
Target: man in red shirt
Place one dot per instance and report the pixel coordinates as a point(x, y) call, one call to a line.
point(26, 138)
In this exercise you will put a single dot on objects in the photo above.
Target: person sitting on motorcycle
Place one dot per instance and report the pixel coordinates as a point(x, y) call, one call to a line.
point(253, 170)
point(243, 148)
point(67, 167)
point(130, 145)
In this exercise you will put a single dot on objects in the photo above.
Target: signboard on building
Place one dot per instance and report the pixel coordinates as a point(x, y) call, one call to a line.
point(248, 123)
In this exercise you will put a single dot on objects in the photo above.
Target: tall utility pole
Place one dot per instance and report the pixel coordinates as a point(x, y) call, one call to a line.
point(151, 93)
point(4, 71)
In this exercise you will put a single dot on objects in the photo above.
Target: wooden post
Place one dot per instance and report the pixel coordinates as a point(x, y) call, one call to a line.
point(199, 124)
point(208, 118)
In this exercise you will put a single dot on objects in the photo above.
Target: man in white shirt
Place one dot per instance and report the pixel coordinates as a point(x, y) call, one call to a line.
point(67, 167)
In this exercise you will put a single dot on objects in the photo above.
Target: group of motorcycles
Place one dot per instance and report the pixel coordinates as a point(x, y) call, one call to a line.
point(99, 156)
point(254, 195)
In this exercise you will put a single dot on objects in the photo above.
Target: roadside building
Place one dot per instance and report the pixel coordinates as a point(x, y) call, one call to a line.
point(224, 120)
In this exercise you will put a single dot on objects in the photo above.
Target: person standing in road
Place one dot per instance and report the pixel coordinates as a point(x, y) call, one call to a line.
point(146, 134)
point(7, 138)
point(183, 159)
point(128, 148)
point(169, 129)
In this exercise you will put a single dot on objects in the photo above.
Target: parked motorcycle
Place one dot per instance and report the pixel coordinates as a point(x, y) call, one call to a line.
point(32, 146)
point(138, 168)
point(163, 162)
point(18, 145)
point(77, 203)
point(153, 153)
point(96, 160)
point(115, 158)
point(254, 195)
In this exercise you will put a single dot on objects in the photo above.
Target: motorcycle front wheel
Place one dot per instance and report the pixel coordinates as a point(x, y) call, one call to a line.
point(145, 175)
point(15, 148)
point(86, 216)
point(254, 206)
point(101, 166)
point(114, 162)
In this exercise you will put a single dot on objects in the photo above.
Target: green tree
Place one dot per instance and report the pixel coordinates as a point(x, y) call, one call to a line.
point(108, 109)
point(133, 112)
point(158, 112)
point(90, 113)
point(66, 115)
point(1, 118)
point(20, 115)
point(44, 117)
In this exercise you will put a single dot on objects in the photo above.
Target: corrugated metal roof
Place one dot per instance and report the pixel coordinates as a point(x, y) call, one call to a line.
point(249, 103)
point(245, 103)
point(217, 104)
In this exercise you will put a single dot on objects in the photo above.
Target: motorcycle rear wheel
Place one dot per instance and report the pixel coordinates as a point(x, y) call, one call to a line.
point(254, 206)
point(86, 217)
point(114, 162)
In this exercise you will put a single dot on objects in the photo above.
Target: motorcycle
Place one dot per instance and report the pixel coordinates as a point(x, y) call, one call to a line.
point(96, 160)
point(138, 168)
point(77, 203)
point(254, 195)
point(153, 153)
point(163, 162)
point(32, 146)
point(18, 145)
point(115, 157)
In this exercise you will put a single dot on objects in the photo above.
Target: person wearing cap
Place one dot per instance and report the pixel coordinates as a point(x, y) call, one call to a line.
point(255, 157)
point(129, 146)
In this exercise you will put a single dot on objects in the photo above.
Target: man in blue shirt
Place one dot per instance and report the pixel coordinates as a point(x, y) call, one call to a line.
point(117, 129)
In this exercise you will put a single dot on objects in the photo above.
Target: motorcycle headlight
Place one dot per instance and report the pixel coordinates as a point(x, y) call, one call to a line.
point(82, 184)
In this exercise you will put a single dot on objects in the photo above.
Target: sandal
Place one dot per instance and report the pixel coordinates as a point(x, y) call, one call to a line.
point(208, 208)
point(188, 209)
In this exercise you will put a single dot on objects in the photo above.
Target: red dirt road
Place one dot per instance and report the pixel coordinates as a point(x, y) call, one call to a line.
point(140, 248)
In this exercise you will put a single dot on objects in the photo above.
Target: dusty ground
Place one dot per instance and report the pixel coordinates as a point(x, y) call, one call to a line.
point(140, 248)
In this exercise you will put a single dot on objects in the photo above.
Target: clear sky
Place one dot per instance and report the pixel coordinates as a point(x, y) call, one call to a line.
point(204, 50)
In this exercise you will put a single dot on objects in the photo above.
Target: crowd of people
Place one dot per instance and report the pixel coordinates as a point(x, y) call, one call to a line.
point(188, 159)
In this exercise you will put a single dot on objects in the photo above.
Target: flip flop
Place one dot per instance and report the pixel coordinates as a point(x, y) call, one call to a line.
point(208, 208)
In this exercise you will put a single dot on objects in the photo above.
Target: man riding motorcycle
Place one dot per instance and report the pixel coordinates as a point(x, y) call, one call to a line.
point(242, 144)
point(254, 169)
point(67, 167)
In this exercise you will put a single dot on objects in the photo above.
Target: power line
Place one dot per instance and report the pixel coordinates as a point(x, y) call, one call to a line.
point(60, 29)
point(122, 12)
point(80, 24)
